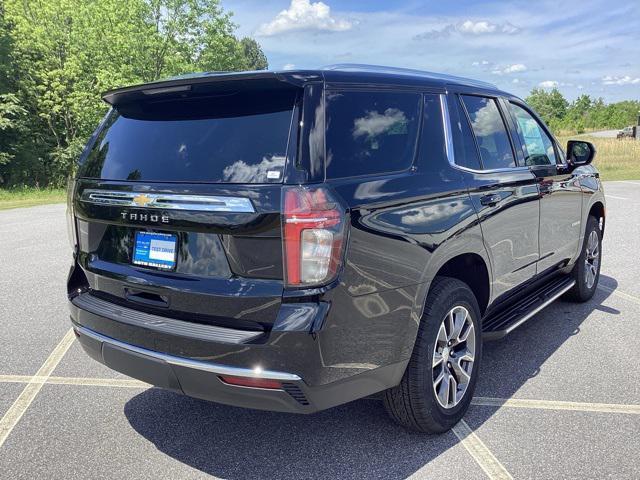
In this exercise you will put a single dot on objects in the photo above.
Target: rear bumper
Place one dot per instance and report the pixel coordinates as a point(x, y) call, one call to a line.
point(156, 355)
point(194, 378)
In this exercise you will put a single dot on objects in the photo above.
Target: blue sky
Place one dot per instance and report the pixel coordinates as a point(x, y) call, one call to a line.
point(580, 46)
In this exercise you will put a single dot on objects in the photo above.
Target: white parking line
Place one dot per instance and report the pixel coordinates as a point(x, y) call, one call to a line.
point(480, 453)
point(556, 405)
point(15, 412)
point(477, 401)
point(620, 294)
point(615, 197)
point(84, 381)
point(631, 183)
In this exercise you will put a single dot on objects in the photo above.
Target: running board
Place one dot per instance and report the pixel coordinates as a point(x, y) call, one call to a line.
point(505, 321)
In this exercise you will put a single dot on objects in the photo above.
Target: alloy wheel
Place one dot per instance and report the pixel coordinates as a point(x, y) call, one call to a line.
point(453, 357)
point(592, 259)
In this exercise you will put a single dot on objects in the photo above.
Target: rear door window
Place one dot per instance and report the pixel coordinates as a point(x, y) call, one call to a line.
point(490, 132)
point(370, 132)
point(229, 139)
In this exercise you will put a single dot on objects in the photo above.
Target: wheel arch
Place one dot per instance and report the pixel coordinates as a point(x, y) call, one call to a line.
point(471, 269)
point(598, 211)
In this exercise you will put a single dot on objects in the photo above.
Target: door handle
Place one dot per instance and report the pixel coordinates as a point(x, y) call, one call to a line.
point(490, 200)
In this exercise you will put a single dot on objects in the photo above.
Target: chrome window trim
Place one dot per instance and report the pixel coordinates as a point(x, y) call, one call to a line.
point(448, 137)
point(168, 201)
point(190, 363)
point(448, 134)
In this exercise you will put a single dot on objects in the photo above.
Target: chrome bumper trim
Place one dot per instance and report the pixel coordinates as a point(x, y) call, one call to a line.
point(168, 201)
point(190, 363)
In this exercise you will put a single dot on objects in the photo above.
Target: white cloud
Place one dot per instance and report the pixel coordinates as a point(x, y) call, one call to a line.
point(482, 62)
point(487, 121)
point(288, 66)
point(375, 123)
point(477, 27)
point(470, 28)
point(615, 80)
point(304, 15)
point(548, 84)
point(515, 68)
point(483, 26)
point(241, 172)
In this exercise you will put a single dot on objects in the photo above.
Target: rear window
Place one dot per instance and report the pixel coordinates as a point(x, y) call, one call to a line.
point(370, 132)
point(226, 139)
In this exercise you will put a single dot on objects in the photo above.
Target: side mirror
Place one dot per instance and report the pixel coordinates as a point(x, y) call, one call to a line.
point(580, 153)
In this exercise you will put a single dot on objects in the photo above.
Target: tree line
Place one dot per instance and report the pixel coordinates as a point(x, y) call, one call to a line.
point(58, 56)
point(583, 114)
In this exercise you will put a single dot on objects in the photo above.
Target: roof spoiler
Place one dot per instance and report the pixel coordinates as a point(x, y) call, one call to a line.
point(210, 83)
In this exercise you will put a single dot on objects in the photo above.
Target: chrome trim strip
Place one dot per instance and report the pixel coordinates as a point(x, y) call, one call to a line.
point(306, 220)
point(168, 201)
point(537, 309)
point(190, 363)
point(494, 170)
point(448, 136)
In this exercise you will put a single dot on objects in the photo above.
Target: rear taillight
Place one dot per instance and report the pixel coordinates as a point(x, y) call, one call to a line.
point(313, 235)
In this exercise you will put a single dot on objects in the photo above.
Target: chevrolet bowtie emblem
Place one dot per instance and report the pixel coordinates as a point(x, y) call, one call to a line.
point(142, 200)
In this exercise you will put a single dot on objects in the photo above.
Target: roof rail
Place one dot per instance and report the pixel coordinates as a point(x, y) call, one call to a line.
point(359, 67)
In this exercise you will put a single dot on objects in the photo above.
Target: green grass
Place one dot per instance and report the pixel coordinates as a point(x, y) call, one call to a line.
point(615, 159)
point(29, 197)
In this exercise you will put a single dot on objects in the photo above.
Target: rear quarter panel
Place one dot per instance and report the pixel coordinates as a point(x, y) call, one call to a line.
point(404, 227)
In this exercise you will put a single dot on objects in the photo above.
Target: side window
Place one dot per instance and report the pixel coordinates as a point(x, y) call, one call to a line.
point(490, 131)
point(370, 132)
point(466, 151)
point(538, 147)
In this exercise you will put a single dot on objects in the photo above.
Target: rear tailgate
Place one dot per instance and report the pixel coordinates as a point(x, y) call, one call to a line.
point(202, 176)
point(228, 265)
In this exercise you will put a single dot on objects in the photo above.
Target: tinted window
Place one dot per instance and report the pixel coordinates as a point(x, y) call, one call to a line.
point(538, 147)
point(433, 151)
point(370, 132)
point(466, 151)
point(490, 131)
point(228, 140)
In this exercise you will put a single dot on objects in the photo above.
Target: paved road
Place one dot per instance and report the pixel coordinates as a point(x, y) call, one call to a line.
point(554, 374)
point(602, 134)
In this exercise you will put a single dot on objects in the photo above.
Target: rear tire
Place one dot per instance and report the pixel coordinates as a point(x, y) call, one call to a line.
point(586, 271)
point(420, 402)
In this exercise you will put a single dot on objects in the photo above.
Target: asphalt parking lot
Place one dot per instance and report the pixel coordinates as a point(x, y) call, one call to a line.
point(558, 398)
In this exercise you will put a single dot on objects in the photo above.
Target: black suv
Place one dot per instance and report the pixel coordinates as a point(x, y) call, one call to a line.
point(296, 240)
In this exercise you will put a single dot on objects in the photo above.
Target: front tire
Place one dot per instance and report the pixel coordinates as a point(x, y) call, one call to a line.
point(586, 271)
point(438, 384)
